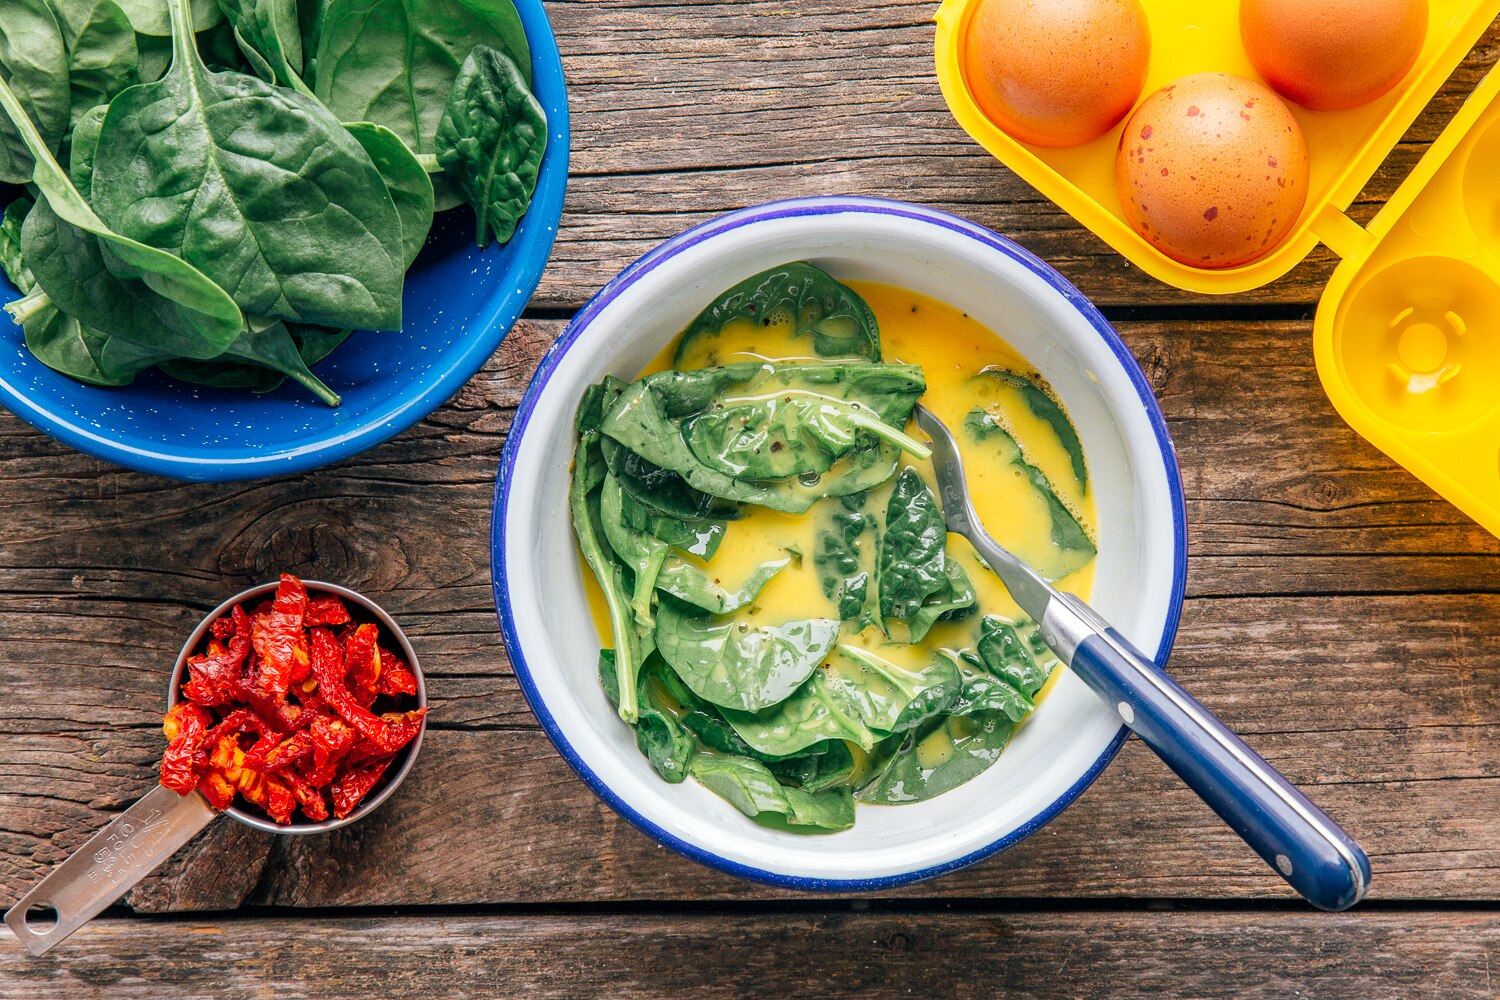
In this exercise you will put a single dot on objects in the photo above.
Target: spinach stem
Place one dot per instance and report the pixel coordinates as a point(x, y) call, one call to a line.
point(316, 386)
point(28, 306)
point(184, 44)
point(894, 435)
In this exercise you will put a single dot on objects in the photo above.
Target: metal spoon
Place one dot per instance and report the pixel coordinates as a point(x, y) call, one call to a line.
point(150, 831)
point(1295, 837)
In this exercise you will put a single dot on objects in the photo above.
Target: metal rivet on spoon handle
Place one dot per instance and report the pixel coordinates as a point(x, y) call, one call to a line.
point(1295, 837)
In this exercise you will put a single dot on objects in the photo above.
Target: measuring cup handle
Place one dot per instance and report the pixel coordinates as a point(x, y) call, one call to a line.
point(104, 869)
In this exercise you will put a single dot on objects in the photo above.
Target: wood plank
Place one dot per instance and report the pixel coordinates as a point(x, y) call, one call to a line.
point(1368, 956)
point(1394, 727)
point(683, 111)
point(1283, 497)
point(1393, 719)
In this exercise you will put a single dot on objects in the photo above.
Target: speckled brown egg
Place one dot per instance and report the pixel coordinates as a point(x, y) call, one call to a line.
point(1057, 72)
point(1212, 170)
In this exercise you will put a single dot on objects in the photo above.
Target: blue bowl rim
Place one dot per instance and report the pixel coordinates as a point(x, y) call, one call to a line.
point(534, 248)
point(828, 205)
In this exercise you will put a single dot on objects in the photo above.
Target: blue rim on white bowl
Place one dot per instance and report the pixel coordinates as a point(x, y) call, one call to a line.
point(1141, 574)
point(460, 302)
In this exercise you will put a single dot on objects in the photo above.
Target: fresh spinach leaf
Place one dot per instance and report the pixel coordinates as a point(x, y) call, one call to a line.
point(845, 560)
point(891, 698)
point(836, 322)
point(198, 317)
point(650, 418)
point(150, 17)
point(641, 553)
point(829, 765)
point(735, 664)
point(663, 490)
point(819, 710)
point(796, 432)
point(12, 264)
point(695, 536)
point(220, 49)
point(393, 62)
point(944, 755)
point(1071, 548)
point(691, 584)
point(953, 601)
point(85, 142)
point(1002, 651)
point(583, 502)
point(71, 265)
point(155, 56)
point(289, 214)
point(268, 352)
point(913, 548)
point(219, 374)
point(1040, 401)
point(983, 693)
point(310, 26)
point(490, 141)
point(34, 67)
point(409, 186)
point(658, 735)
point(102, 55)
point(751, 788)
point(63, 344)
point(315, 343)
point(268, 29)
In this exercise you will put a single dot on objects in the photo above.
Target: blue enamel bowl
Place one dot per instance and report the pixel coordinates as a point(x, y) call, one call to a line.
point(1139, 577)
point(460, 302)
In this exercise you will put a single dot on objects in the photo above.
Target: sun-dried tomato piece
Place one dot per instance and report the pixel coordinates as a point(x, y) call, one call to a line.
point(280, 802)
point(314, 806)
point(280, 753)
point(270, 793)
point(401, 729)
point(362, 664)
point(395, 677)
point(222, 628)
point(277, 635)
point(333, 738)
point(351, 789)
point(186, 728)
point(390, 734)
point(217, 789)
point(328, 610)
point(217, 676)
point(241, 720)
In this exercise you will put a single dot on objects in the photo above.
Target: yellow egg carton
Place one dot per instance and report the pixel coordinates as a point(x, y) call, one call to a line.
point(1196, 36)
point(1407, 335)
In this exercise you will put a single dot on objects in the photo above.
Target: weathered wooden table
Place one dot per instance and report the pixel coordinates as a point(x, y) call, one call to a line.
point(1339, 615)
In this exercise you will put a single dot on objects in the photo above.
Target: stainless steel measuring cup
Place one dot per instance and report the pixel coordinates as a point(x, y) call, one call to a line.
point(151, 830)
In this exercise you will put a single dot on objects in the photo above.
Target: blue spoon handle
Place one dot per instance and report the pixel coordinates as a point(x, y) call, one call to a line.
point(1295, 837)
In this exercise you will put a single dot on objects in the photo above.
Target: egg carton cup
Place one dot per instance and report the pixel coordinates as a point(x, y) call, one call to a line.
point(1191, 36)
point(1407, 335)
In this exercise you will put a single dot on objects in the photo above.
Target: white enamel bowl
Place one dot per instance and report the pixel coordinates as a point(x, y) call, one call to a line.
point(1142, 536)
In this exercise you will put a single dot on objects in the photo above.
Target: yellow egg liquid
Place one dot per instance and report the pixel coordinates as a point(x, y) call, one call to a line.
point(951, 349)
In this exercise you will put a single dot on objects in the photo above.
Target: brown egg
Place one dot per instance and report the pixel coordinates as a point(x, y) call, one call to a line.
point(1057, 72)
point(1212, 170)
point(1332, 54)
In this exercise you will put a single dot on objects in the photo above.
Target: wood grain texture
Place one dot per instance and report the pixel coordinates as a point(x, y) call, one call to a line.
point(797, 956)
point(685, 110)
point(1341, 616)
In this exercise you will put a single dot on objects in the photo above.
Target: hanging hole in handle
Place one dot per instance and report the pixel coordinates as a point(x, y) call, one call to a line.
point(40, 919)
